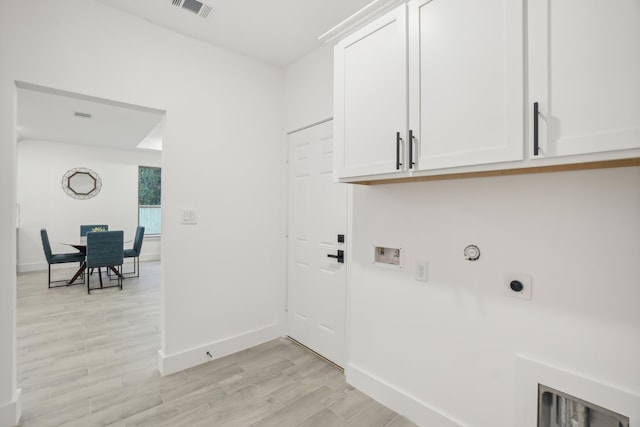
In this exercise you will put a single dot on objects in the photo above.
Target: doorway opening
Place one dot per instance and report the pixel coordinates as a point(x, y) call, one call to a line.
point(70, 343)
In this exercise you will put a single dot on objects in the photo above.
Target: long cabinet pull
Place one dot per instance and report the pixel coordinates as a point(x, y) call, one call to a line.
point(536, 144)
point(398, 141)
point(411, 140)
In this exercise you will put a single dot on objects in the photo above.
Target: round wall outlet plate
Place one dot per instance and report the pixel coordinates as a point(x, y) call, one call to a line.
point(471, 253)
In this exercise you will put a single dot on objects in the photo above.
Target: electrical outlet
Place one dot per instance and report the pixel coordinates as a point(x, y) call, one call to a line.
point(518, 285)
point(421, 270)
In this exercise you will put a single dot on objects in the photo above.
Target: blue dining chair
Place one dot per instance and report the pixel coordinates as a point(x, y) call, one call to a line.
point(135, 251)
point(57, 258)
point(85, 228)
point(105, 249)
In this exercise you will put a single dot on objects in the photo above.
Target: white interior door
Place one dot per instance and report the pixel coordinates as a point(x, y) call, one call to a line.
point(317, 215)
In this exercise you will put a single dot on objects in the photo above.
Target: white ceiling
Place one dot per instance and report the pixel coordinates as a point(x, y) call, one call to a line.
point(49, 115)
point(274, 31)
point(277, 32)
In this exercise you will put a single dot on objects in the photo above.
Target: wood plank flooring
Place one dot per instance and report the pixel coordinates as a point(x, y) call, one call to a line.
point(91, 360)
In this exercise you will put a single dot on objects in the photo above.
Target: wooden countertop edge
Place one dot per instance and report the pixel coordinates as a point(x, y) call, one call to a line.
point(605, 164)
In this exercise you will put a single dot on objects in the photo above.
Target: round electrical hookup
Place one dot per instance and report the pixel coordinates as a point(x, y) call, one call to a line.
point(471, 253)
point(516, 286)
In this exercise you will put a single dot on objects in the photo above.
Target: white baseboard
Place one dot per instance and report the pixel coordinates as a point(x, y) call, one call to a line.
point(42, 266)
point(169, 364)
point(35, 266)
point(11, 412)
point(394, 398)
point(150, 257)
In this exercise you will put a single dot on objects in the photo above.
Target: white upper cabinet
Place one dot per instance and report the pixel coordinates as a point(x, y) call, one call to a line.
point(370, 108)
point(466, 82)
point(584, 75)
point(438, 88)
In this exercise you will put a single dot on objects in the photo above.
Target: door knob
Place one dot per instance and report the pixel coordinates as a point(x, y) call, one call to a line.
point(339, 256)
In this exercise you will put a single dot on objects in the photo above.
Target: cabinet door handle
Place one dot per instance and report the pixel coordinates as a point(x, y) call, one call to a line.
point(398, 141)
point(536, 144)
point(411, 141)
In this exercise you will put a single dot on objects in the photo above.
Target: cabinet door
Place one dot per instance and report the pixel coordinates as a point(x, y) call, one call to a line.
point(466, 82)
point(371, 97)
point(584, 73)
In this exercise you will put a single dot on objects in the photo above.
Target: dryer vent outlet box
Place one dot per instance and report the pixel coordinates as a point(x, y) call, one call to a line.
point(387, 256)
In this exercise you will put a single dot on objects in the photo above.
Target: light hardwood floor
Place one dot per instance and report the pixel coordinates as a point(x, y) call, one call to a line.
point(91, 360)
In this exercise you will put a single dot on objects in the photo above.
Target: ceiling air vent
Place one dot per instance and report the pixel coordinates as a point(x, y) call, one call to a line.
point(199, 8)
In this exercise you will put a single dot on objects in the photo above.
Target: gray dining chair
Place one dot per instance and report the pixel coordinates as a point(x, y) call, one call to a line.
point(57, 258)
point(105, 249)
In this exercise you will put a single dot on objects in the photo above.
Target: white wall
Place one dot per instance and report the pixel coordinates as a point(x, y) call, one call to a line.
point(308, 90)
point(222, 278)
point(444, 352)
point(10, 406)
point(451, 343)
point(44, 204)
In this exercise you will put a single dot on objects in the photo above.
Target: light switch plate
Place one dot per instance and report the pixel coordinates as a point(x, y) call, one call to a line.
point(189, 216)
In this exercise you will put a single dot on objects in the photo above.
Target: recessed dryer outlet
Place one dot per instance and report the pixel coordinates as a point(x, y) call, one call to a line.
point(518, 285)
